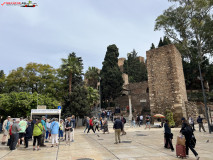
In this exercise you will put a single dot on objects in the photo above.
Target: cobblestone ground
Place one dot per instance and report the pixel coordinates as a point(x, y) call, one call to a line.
point(138, 144)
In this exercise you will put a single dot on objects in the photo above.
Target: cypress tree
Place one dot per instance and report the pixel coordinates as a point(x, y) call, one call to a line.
point(111, 76)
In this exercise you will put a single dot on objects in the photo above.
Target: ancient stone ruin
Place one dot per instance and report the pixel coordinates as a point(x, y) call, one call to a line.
point(166, 82)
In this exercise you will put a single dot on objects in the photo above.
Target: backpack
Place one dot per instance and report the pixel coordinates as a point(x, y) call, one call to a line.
point(10, 130)
point(8, 125)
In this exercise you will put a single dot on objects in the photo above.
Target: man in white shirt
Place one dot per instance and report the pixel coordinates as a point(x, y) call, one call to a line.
point(141, 119)
point(6, 126)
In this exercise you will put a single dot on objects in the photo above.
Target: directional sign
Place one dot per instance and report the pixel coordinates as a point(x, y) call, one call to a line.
point(59, 107)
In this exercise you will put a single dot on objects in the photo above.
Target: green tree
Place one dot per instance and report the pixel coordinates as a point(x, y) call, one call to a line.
point(71, 66)
point(93, 96)
point(17, 104)
point(2, 81)
point(135, 69)
point(189, 24)
point(111, 76)
point(92, 77)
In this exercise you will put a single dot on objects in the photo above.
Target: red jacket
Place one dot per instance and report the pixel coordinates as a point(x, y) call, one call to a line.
point(90, 122)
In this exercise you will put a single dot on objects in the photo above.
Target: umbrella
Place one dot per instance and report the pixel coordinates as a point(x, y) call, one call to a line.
point(159, 116)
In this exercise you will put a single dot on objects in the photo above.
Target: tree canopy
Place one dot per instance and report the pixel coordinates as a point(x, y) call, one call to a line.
point(111, 76)
point(135, 69)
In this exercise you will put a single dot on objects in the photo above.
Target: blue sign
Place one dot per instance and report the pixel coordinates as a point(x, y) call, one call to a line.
point(59, 107)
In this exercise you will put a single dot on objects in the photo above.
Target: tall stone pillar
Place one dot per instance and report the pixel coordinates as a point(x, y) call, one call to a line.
point(166, 81)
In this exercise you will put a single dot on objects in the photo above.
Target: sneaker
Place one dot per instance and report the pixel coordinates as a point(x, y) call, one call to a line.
point(116, 143)
point(72, 140)
point(197, 157)
point(33, 149)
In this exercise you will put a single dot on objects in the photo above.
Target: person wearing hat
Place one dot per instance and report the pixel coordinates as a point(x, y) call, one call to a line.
point(44, 131)
point(6, 125)
point(187, 131)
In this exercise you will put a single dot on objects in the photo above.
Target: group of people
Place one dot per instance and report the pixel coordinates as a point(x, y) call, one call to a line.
point(187, 130)
point(22, 130)
point(138, 120)
point(96, 124)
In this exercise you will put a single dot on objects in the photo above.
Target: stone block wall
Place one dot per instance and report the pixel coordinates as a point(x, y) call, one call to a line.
point(139, 94)
point(166, 81)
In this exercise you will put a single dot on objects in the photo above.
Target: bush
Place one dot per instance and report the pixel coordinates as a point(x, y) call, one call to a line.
point(169, 117)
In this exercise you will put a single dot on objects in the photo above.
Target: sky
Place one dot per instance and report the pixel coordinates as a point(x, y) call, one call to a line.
point(53, 29)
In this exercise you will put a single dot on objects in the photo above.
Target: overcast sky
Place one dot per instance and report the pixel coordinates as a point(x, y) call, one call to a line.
point(53, 29)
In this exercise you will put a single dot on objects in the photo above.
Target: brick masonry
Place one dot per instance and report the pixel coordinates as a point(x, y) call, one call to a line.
point(166, 81)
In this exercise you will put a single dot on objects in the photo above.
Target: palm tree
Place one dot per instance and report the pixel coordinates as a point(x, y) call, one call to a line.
point(70, 66)
point(92, 77)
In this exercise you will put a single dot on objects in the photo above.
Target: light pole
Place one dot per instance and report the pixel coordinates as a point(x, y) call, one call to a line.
point(100, 91)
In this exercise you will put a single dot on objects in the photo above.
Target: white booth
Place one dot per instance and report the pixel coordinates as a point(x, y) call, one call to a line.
point(48, 113)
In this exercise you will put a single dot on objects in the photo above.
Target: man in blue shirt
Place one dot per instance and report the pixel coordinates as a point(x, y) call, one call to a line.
point(118, 127)
point(44, 131)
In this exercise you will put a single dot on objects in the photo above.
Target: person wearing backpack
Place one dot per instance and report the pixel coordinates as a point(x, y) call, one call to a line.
point(37, 133)
point(6, 126)
point(187, 131)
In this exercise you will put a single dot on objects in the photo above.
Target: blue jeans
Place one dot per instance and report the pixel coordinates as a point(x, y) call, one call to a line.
point(47, 134)
point(60, 133)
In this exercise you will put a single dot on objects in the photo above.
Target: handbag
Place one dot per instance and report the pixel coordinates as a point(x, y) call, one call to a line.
point(181, 140)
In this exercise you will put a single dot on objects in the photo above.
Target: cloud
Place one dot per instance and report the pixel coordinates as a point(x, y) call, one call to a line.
point(50, 31)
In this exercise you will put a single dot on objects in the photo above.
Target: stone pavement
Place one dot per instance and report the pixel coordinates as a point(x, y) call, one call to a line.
point(138, 144)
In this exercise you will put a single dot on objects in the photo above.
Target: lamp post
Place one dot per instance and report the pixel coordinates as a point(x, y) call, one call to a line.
point(130, 106)
point(37, 99)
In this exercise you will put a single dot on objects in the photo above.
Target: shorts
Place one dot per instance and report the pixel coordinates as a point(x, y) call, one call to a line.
point(6, 133)
point(148, 123)
point(21, 135)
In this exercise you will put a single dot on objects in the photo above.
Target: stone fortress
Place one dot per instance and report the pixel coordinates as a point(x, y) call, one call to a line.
point(165, 88)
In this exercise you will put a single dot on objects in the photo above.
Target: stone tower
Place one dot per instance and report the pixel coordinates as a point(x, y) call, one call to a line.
point(166, 81)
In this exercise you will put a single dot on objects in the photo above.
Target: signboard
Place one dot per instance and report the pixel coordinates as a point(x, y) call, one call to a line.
point(143, 100)
point(41, 107)
point(59, 107)
point(46, 111)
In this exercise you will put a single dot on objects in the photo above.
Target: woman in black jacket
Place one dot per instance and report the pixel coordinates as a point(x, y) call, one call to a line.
point(168, 135)
point(187, 131)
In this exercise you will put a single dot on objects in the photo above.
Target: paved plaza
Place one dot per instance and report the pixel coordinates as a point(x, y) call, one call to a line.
point(138, 144)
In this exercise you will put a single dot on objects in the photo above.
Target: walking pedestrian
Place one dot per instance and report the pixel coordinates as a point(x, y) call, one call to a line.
point(138, 120)
point(101, 123)
point(105, 127)
point(200, 122)
point(87, 124)
point(187, 131)
point(68, 130)
point(91, 125)
point(191, 122)
point(133, 121)
point(147, 121)
point(37, 134)
point(141, 119)
point(118, 127)
point(5, 127)
point(15, 134)
point(168, 135)
point(73, 127)
point(96, 122)
point(123, 120)
point(54, 128)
